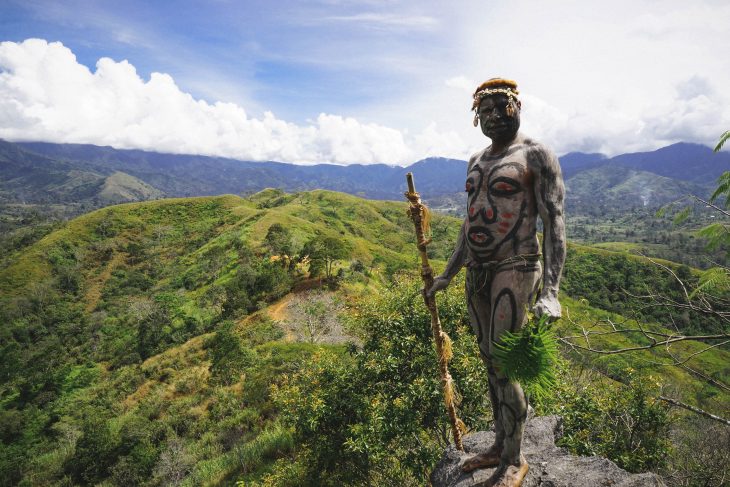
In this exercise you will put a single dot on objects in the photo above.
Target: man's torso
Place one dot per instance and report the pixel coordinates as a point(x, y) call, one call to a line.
point(501, 208)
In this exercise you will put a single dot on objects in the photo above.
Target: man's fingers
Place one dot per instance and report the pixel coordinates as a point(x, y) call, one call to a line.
point(438, 284)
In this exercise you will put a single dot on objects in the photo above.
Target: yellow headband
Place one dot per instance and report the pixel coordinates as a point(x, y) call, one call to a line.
point(495, 86)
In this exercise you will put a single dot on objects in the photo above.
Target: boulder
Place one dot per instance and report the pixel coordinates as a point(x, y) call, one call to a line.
point(550, 466)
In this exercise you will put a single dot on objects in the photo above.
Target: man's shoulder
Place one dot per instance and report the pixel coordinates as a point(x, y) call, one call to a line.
point(537, 152)
point(476, 157)
point(534, 145)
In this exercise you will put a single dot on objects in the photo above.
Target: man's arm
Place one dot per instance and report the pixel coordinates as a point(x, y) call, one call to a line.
point(550, 194)
point(458, 257)
point(456, 262)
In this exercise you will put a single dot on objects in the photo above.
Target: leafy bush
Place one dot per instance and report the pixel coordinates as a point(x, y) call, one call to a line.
point(624, 423)
point(228, 355)
point(378, 413)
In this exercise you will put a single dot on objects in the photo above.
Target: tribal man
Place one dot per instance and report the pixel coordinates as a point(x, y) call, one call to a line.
point(509, 184)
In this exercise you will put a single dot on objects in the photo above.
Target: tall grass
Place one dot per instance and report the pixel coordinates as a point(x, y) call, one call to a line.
point(272, 443)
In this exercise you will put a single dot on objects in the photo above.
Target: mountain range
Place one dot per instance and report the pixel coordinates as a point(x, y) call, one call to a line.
point(40, 172)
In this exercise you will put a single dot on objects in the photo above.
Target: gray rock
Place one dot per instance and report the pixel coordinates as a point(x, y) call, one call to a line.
point(550, 466)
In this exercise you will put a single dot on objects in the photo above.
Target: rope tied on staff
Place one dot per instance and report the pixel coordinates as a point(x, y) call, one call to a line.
point(421, 220)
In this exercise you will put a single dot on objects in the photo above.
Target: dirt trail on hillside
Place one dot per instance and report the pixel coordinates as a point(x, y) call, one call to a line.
point(93, 295)
point(279, 311)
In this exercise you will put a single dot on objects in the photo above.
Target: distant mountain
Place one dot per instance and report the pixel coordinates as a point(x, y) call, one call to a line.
point(574, 162)
point(616, 187)
point(69, 171)
point(687, 162)
point(27, 177)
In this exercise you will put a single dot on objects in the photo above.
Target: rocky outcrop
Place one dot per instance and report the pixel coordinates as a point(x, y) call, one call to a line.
point(550, 466)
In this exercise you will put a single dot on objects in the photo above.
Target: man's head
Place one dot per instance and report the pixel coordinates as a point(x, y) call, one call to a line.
point(497, 108)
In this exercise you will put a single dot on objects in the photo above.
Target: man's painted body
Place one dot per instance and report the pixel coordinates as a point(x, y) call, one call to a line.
point(509, 184)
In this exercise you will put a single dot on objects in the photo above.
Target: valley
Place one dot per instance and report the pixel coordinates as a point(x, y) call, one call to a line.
point(189, 339)
point(609, 200)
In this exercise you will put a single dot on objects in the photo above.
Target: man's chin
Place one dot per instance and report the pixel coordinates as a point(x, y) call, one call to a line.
point(501, 133)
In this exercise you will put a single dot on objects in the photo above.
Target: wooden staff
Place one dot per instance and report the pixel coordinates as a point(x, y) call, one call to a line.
point(418, 213)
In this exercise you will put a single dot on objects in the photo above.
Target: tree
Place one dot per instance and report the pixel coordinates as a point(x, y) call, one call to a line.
point(278, 240)
point(375, 416)
point(324, 251)
point(227, 354)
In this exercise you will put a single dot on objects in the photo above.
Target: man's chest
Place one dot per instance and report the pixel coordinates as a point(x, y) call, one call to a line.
point(507, 178)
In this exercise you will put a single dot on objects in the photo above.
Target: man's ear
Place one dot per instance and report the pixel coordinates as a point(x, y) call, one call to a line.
point(519, 104)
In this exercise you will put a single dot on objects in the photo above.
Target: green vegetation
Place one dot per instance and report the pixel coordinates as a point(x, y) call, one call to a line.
point(529, 356)
point(138, 348)
point(91, 309)
point(376, 417)
point(629, 284)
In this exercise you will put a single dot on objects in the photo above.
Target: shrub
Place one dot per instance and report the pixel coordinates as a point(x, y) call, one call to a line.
point(378, 413)
point(228, 355)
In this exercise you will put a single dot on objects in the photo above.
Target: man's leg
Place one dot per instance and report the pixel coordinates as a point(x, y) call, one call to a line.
point(512, 292)
point(479, 306)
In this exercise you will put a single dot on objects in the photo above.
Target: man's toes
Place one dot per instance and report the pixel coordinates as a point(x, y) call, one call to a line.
point(483, 460)
point(511, 476)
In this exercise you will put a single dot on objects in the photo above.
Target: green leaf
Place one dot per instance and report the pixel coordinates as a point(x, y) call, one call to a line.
point(717, 234)
point(715, 280)
point(723, 188)
point(723, 139)
point(663, 210)
point(529, 356)
point(682, 216)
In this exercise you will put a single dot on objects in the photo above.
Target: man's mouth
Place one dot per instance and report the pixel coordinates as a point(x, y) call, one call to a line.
point(498, 126)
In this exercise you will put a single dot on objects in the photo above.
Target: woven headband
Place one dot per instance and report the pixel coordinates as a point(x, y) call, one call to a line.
point(509, 92)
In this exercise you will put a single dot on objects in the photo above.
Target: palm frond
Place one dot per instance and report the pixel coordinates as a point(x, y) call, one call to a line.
point(723, 188)
point(682, 216)
point(717, 234)
point(715, 280)
point(723, 139)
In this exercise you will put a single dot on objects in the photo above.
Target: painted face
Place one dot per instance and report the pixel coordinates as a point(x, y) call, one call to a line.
point(496, 207)
point(494, 120)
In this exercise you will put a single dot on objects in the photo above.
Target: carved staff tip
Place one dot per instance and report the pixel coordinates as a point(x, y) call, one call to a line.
point(411, 184)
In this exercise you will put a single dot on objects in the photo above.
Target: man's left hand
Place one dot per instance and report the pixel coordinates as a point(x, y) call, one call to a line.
point(547, 305)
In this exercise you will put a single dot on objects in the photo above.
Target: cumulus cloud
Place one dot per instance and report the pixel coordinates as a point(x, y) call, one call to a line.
point(697, 112)
point(46, 94)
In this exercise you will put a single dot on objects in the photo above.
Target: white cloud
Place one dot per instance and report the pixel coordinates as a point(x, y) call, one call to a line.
point(461, 83)
point(45, 94)
point(380, 20)
point(594, 78)
point(696, 112)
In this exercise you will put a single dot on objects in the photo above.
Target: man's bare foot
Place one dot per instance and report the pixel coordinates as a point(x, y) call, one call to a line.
point(508, 475)
point(488, 459)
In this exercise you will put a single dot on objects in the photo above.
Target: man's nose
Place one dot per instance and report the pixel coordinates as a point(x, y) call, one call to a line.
point(495, 113)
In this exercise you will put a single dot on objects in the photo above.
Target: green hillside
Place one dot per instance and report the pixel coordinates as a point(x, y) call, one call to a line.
point(141, 343)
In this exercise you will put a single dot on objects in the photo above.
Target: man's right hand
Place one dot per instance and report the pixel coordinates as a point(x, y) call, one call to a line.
point(439, 283)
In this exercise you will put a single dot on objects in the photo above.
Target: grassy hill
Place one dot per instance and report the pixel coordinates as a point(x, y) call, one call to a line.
point(608, 200)
point(141, 341)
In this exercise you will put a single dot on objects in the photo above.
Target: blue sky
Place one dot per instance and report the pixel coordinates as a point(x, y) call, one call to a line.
point(373, 81)
point(295, 58)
